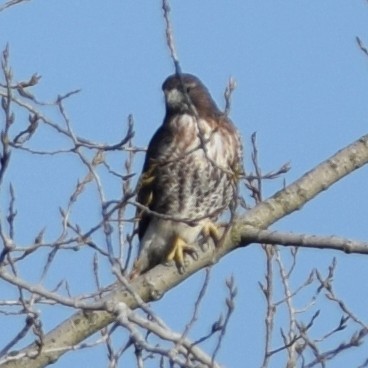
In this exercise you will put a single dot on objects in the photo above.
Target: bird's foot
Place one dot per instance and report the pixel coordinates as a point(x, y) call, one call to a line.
point(211, 230)
point(179, 248)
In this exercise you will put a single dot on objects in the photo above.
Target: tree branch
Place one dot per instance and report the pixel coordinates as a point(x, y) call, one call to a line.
point(305, 240)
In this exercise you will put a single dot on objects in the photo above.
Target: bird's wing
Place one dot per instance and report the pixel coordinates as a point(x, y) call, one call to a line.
point(147, 189)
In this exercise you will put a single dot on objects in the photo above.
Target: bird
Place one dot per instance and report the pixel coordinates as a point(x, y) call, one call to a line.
point(190, 175)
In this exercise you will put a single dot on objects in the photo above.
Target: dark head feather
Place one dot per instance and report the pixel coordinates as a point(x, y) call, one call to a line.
point(185, 93)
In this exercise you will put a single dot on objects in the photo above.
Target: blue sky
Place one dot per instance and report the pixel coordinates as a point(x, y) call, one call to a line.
point(302, 85)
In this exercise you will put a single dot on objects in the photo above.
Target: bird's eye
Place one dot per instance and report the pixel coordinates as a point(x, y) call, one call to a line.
point(188, 87)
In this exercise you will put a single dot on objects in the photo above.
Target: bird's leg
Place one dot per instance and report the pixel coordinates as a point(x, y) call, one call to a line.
point(177, 251)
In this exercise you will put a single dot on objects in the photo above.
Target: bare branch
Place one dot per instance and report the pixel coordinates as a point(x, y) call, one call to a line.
point(10, 3)
point(169, 36)
point(332, 242)
point(361, 45)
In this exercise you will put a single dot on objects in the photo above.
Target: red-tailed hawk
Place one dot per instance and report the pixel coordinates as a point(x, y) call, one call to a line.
point(190, 174)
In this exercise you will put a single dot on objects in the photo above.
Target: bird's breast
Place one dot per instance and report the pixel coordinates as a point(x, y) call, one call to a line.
point(193, 178)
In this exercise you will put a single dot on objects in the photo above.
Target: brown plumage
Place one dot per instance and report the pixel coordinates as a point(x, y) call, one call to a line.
point(190, 173)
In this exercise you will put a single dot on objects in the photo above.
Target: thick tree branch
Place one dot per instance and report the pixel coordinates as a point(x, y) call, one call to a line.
point(159, 280)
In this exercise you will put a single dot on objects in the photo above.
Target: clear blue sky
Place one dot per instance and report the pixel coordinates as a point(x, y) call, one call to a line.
point(302, 86)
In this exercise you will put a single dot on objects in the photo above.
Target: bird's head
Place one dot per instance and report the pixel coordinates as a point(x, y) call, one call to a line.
point(185, 93)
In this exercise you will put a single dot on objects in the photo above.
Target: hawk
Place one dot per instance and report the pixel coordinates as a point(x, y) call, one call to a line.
point(190, 174)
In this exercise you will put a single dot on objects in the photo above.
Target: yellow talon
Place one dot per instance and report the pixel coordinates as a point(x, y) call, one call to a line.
point(177, 251)
point(210, 229)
